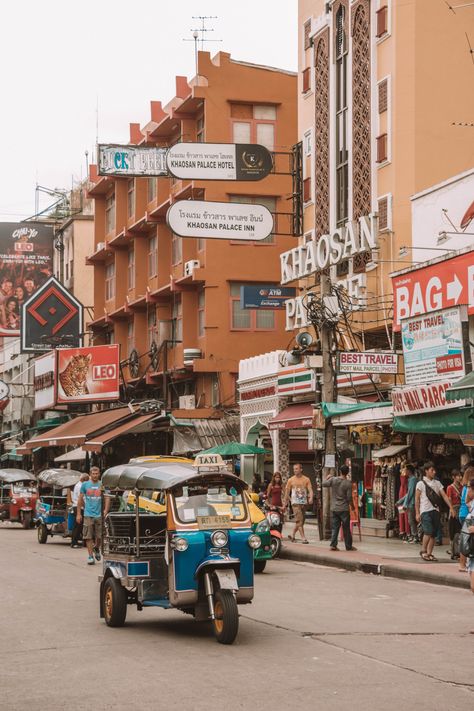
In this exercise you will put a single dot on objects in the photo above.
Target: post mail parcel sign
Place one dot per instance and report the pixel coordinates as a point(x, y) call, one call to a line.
point(88, 374)
point(417, 399)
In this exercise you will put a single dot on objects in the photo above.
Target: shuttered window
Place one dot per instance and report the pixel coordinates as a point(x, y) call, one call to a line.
point(382, 21)
point(307, 34)
point(307, 190)
point(306, 80)
point(383, 96)
point(381, 148)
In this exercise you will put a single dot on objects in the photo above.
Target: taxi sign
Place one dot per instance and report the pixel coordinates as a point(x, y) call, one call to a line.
point(208, 460)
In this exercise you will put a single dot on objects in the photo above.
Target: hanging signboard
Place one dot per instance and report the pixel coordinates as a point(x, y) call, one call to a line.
point(219, 161)
point(26, 261)
point(52, 316)
point(265, 296)
point(413, 400)
point(131, 161)
point(4, 390)
point(239, 222)
point(44, 382)
point(367, 362)
point(88, 374)
point(433, 346)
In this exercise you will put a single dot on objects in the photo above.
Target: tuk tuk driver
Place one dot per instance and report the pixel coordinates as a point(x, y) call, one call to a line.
point(91, 501)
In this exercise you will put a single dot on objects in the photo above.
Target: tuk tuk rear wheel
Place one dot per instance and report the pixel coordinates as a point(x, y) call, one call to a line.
point(259, 565)
point(42, 533)
point(114, 603)
point(226, 622)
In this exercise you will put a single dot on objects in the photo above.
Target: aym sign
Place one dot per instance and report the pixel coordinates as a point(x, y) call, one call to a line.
point(219, 161)
point(367, 362)
point(132, 161)
point(220, 220)
point(445, 283)
point(413, 400)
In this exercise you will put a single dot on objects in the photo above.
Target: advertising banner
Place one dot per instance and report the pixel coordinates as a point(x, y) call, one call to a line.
point(235, 221)
point(26, 262)
point(265, 296)
point(44, 382)
point(88, 374)
point(51, 317)
point(132, 161)
point(219, 161)
point(433, 346)
point(422, 398)
point(367, 362)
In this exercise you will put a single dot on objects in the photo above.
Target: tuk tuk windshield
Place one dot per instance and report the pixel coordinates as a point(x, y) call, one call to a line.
point(201, 500)
point(23, 489)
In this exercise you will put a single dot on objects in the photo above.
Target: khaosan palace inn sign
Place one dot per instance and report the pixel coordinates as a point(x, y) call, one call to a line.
point(314, 256)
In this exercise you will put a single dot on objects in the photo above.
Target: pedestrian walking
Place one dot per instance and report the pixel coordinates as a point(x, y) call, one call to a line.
point(429, 496)
point(77, 530)
point(300, 493)
point(91, 501)
point(341, 504)
point(464, 508)
point(453, 492)
point(275, 491)
point(409, 503)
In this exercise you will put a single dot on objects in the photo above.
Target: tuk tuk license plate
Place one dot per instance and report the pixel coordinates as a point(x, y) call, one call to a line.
point(213, 521)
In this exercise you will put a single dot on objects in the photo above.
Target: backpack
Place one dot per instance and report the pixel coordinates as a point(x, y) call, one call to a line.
point(433, 497)
point(466, 539)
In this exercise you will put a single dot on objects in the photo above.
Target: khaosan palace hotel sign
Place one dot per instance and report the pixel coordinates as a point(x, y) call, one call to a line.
point(328, 251)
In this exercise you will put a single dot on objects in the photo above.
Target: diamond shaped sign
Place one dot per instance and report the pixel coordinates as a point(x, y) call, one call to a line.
point(51, 318)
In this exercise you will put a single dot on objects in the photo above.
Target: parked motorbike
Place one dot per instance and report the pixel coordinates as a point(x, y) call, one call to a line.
point(275, 520)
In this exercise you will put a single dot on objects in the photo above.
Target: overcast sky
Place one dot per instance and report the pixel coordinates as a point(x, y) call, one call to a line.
point(59, 58)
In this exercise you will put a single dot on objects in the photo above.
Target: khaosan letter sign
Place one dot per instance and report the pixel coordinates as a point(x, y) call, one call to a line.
point(132, 160)
point(220, 220)
point(51, 316)
point(88, 374)
point(219, 161)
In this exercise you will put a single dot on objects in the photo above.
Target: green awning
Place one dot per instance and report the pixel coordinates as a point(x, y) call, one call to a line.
point(12, 455)
point(461, 390)
point(46, 424)
point(458, 421)
point(333, 409)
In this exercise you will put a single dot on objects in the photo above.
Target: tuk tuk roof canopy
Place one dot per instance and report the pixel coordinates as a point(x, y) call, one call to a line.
point(61, 478)
point(14, 476)
point(150, 475)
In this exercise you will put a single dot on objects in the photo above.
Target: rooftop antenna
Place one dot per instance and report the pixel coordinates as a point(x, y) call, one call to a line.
point(199, 35)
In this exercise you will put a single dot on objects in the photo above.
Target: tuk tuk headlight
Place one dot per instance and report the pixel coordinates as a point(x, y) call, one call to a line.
point(254, 541)
point(274, 519)
point(262, 527)
point(13, 501)
point(219, 539)
point(179, 544)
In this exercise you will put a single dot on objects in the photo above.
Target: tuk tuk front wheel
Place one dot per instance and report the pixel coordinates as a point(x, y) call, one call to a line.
point(226, 622)
point(259, 565)
point(114, 603)
point(275, 545)
point(42, 533)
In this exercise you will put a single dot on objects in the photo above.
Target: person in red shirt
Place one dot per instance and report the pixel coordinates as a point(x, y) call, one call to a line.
point(453, 492)
point(275, 491)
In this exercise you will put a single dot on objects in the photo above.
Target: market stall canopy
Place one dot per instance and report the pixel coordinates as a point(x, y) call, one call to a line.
point(460, 421)
point(293, 417)
point(75, 455)
point(375, 415)
point(335, 409)
point(390, 451)
point(61, 478)
point(462, 389)
point(233, 449)
point(138, 424)
point(153, 476)
point(194, 435)
point(14, 476)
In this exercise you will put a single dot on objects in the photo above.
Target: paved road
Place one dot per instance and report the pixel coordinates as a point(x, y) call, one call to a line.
point(315, 638)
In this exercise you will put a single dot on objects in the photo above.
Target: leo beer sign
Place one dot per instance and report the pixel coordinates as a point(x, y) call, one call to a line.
point(219, 161)
point(88, 374)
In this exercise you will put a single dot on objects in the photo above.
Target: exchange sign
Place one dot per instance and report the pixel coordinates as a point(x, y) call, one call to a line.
point(132, 161)
point(219, 161)
point(241, 222)
point(265, 296)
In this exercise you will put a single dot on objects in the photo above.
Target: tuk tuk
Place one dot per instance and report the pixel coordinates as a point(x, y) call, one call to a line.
point(54, 515)
point(18, 496)
point(196, 555)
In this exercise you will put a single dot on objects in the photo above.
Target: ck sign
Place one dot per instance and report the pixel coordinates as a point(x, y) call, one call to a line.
point(446, 283)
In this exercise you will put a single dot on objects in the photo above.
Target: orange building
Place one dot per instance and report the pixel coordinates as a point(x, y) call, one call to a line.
point(175, 302)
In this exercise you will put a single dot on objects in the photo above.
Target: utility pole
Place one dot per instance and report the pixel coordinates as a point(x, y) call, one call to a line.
point(327, 392)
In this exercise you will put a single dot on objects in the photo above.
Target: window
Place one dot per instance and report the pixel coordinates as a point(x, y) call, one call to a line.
point(130, 336)
point(254, 123)
point(109, 336)
point(110, 281)
point(381, 148)
point(307, 143)
point(131, 197)
point(307, 190)
point(201, 308)
point(342, 154)
point(131, 269)
point(151, 189)
point(249, 319)
point(382, 21)
point(201, 243)
point(215, 399)
point(200, 129)
point(109, 213)
point(306, 79)
point(177, 316)
point(307, 34)
point(268, 202)
point(176, 249)
point(151, 326)
point(153, 256)
point(384, 209)
point(383, 96)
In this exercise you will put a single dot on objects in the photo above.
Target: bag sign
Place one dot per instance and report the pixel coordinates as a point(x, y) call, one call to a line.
point(132, 161)
point(240, 222)
point(219, 161)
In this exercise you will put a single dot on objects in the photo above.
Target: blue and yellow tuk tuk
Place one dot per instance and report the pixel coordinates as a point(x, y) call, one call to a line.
point(195, 554)
point(54, 515)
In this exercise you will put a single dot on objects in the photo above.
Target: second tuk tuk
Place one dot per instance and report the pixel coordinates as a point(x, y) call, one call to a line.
point(195, 555)
point(54, 515)
point(18, 496)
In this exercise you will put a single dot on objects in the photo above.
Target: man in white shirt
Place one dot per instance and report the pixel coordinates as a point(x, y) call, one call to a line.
point(77, 530)
point(429, 494)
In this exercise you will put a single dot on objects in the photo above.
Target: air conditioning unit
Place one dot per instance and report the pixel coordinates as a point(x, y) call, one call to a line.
point(190, 355)
point(187, 402)
point(100, 246)
point(190, 266)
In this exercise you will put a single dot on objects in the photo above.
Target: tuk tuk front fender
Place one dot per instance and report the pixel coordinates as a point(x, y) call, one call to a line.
point(217, 562)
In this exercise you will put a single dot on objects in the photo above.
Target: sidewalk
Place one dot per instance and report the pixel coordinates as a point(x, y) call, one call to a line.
point(379, 556)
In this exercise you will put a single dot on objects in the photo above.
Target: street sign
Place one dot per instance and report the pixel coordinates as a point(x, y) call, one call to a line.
point(132, 161)
point(219, 161)
point(52, 316)
point(438, 286)
point(367, 362)
point(418, 399)
point(265, 296)
point(239, 222)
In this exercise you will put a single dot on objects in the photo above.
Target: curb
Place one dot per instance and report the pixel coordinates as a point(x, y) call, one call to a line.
point(387, 569)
